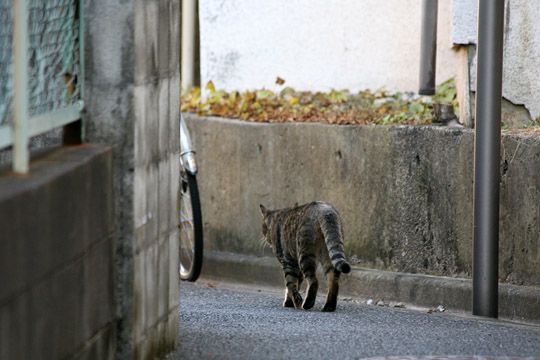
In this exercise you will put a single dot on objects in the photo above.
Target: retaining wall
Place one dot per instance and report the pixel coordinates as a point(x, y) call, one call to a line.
point(405, 192)
point(57, 293)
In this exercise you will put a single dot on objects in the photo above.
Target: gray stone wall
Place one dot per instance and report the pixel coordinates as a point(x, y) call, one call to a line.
point(56, 257)
point(405, 193)
point(132, 98)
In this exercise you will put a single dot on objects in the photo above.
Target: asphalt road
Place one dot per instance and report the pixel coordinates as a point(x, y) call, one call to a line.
point(224, 321)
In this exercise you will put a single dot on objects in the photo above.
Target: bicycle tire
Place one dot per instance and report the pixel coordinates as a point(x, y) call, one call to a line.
point(190, 269)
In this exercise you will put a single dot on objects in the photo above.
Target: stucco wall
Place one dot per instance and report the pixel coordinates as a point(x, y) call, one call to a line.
point(318, 44)
point(521, 65)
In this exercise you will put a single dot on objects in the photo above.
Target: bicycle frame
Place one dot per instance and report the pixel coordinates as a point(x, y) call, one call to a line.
point(187, 152)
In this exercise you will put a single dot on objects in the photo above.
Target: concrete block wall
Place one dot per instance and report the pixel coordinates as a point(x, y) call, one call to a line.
point(56, 257)
point(156, 146)
point(405, 192)
point(132, 103)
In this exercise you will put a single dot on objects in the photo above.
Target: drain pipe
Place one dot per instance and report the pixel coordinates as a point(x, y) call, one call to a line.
point(428, 47)
point(189, 13)
point(487, 157)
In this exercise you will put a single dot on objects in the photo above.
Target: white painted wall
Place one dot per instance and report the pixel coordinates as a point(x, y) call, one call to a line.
point(521, 64)
point(319, 44)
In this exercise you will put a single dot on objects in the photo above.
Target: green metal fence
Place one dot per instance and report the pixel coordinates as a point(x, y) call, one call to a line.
point(41, 70)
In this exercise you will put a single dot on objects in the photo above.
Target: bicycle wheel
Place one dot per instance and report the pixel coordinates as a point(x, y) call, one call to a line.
point(191, 234)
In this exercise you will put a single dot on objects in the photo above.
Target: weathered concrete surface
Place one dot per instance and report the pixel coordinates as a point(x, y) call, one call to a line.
point(132, 102)
point(521, 50)
point(405, 193)
point(57, 257)
point(156, 177)
point(519, 303)
point(109, 55)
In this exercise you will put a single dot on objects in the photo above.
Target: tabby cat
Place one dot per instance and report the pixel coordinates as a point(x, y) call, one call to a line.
point(299, 236)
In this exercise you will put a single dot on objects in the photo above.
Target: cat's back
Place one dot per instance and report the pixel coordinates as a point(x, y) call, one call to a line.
point(309, 212)
point(317, 208)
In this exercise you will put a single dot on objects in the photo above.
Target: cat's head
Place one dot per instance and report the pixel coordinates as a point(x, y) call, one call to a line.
point(267, 220)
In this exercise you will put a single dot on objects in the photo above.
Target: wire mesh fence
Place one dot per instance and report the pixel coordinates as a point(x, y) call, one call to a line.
point(6, 78)
point(53, 56)
point(41, 73)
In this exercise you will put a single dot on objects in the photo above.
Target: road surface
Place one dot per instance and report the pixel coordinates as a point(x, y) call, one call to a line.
point(224, 321)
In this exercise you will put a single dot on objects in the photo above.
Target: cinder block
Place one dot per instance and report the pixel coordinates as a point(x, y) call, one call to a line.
point(15, 323)
point(173, 325)
point(152, 123)
point(174, 113)
point(56, 313)
point(174, 178)
point(164, 196)
point(140, 143)
point(152, 203)
point(140, 321)
point(163, 49)
point(147, 206)
point(143, 62)
point(146, 37)
point(174, 31)
point(108, 30)
point(139, 198)
point(159, 339)
point(103, 346)
point(162, 297)
point(98, 293)
point(151, 278)
point(163, 117)
point(174, 277)
point(14, 246)
point(76, 183)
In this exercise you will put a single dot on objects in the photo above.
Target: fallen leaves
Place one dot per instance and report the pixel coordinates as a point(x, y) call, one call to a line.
point(334, 107)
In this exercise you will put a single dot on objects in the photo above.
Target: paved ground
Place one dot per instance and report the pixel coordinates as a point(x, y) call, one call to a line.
point(224, 321)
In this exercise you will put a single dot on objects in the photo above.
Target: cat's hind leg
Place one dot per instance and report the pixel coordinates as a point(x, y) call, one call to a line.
point(332, 276)
point(308, 266)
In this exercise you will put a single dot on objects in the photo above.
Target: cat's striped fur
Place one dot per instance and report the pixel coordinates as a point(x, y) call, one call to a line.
point(299, 236)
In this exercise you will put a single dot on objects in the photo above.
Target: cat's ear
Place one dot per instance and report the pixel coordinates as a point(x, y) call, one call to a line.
point(264, 211)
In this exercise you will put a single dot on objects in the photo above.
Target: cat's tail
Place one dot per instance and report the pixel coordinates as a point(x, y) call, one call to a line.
point(333, 237)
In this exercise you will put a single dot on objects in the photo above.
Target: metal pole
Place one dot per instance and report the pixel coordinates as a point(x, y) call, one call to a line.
point(187, 73)
point(21, 155)
point(428, 47)
point(487, 157)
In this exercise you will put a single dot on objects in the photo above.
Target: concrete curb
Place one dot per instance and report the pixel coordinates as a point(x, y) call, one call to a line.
point(518, 303)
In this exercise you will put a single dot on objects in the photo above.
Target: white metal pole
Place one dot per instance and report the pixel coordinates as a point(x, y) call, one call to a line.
point(187, 73)
point(21, 156)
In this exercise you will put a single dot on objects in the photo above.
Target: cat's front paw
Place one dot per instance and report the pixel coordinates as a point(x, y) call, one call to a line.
point(288, 303)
